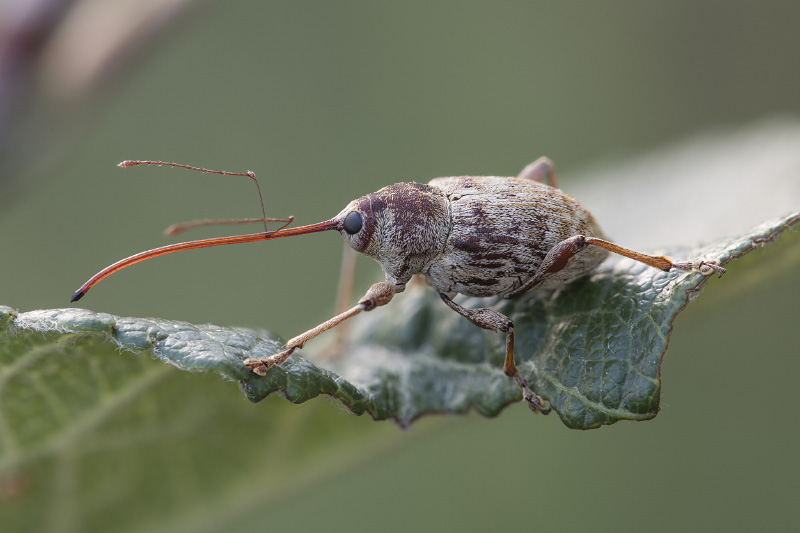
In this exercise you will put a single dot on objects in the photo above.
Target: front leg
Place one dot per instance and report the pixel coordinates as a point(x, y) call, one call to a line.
point(377, 295)
point(494, 321)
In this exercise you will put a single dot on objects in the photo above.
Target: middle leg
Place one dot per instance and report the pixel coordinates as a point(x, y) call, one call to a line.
point(494, 321)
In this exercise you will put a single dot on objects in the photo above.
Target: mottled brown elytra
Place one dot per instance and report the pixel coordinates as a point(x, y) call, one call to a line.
point(471, 235)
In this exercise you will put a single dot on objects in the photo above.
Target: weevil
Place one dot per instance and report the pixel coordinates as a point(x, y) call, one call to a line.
point(472, 235)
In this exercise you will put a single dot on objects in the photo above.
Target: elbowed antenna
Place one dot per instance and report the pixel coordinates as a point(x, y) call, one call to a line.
point(203, 243)
point(250, 174)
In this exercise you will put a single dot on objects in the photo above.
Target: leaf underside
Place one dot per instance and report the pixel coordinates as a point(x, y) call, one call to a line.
point(593, 348)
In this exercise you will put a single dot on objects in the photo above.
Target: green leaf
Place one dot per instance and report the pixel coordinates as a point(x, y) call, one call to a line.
point(93, 440)
point(593, 348)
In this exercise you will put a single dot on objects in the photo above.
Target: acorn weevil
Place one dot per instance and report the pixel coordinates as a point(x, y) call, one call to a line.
point(472, 235)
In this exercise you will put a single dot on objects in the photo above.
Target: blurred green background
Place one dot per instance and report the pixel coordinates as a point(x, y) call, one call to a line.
point(327, 101)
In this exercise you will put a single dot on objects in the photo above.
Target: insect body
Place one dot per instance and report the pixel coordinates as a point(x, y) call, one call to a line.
point(477, 236)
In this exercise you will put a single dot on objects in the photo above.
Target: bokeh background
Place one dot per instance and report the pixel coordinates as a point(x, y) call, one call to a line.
point(327, 101)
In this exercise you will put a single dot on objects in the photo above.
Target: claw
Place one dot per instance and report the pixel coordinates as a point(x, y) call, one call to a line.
point(534, 401)
point(706, 268)
point(261, 366)
point(709, 267)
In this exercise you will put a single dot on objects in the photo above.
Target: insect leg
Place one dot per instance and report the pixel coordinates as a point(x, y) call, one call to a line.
point(347, 277)
point(540, 170)
point(344, 295)
point(559, 255)
point(494, 321)
point(705, 267)
point(377, 295)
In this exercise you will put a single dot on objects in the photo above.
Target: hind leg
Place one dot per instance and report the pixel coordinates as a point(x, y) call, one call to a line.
point(541, 170)
point(559, 255)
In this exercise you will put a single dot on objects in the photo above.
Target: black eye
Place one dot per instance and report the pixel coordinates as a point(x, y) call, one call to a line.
point(353, 222)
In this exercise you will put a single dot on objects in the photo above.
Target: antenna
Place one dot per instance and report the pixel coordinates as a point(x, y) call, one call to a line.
point(250, 174)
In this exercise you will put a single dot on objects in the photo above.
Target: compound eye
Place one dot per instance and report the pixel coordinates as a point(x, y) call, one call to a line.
point(353, 222)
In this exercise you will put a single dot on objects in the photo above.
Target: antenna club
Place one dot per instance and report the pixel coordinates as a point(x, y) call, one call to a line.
point(78, 295)
point(125, 164)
